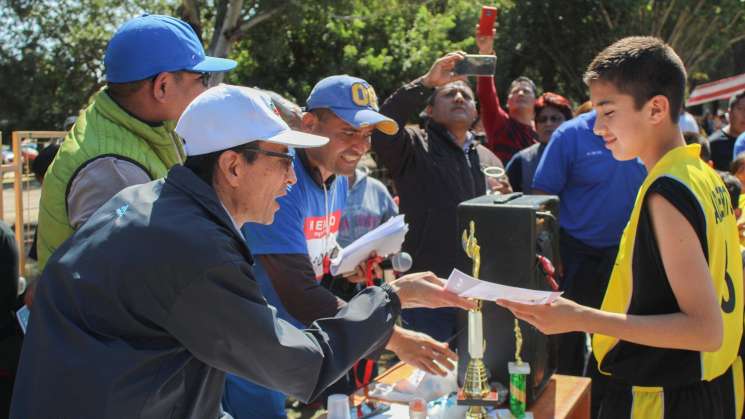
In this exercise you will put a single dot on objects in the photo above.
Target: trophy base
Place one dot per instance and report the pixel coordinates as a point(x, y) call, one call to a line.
point(491, 399)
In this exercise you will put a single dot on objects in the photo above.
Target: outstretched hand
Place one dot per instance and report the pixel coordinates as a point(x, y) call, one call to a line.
point(441, 72)
point(426, 290)
point(561, 316)
point(422, 351)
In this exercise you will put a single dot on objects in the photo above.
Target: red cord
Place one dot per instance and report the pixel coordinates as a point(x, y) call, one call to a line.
point(549, 270)
point(369, 270)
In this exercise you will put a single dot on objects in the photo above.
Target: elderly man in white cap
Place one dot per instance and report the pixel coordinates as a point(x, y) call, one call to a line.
point(143, 310)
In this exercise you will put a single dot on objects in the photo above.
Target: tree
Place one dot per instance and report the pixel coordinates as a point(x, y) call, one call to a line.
point(51, 56)
point(555, 43)
point(386, 42)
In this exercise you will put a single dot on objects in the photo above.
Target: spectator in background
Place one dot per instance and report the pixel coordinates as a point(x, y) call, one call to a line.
point(696, 138)
point(39, 166)
point(722, 141)
point(511, 131)
point(737, 169)
point(155, 65)
point(597, 193)
point(369, 204)
point(687, 122)
point(583, 108)
point(739, 146)
point(11, 336)
point(551, 110)
point(434, 168)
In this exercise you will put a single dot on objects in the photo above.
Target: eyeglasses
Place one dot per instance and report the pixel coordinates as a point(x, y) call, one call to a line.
point(553, 118)
point(286, 157)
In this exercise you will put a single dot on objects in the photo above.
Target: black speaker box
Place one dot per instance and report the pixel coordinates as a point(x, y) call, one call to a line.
point(512, 231)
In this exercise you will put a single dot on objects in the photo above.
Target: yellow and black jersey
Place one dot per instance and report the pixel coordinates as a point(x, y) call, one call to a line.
point(639, 284)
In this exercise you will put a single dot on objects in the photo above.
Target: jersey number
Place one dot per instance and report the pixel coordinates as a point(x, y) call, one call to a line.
point(728, 305)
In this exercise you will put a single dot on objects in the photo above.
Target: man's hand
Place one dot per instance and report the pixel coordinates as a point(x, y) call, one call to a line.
point(422, 351)
point(561, 316)
point(441, 72)
point(485, 43)
point(360, 272)
point(498, 185)
point(425, 290)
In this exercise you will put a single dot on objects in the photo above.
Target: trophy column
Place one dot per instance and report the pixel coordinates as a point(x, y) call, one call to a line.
point(476, 383)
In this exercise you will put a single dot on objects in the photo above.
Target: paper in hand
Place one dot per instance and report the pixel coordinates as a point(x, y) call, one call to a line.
point(469, 287)
point(386, 239)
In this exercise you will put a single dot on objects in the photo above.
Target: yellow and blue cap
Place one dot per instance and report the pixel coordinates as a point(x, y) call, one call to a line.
point(351, 99)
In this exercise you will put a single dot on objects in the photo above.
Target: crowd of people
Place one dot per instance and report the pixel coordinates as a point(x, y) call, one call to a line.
point(186, 232)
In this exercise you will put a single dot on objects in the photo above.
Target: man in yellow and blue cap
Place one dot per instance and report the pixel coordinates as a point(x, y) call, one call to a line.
point(293, 253)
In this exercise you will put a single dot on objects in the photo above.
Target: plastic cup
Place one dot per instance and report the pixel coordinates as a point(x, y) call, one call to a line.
point(338, 407)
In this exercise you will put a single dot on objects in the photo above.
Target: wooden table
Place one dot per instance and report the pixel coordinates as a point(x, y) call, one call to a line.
point(565, 396)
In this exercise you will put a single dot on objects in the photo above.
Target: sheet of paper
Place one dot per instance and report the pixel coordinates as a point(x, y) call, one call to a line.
point(386, 239)
point(467, 286)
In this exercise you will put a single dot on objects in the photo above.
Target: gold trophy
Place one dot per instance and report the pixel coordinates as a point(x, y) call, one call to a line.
point(476, 385)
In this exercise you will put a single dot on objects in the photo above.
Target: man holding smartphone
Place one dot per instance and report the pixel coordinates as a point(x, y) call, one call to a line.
point(434, 167)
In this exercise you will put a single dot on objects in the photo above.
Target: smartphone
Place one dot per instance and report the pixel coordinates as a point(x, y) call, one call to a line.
point(488, 17)
point(476, 65)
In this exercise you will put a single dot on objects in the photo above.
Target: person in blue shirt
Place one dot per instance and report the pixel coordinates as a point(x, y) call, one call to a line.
point(293, 254)
point(369, 204)
point(597, 194)
point(739, 146)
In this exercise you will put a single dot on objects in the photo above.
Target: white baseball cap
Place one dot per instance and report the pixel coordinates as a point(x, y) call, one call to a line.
point(227, 116)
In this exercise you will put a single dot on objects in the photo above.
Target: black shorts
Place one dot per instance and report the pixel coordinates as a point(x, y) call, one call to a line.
point(721, 398)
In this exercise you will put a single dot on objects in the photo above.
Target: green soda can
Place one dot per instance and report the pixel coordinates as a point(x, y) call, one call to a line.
point(518, 378)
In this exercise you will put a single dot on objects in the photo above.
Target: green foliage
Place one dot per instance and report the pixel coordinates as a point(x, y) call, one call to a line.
point(51, 56)
point(386, 42)
point(51, 50)
point(554, 43)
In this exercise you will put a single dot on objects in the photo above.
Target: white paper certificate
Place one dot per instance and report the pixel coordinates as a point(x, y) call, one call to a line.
point(467, 286)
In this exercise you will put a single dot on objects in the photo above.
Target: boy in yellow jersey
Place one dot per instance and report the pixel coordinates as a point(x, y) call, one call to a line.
point(670, 325)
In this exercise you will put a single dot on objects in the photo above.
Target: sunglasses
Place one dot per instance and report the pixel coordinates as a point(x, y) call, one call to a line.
point(552, 118)
point(204, 77)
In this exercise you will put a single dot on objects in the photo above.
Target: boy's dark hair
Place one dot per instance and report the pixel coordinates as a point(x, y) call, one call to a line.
point(734, 187)
point(204, 165)
point(696, 138)
point(642, 67)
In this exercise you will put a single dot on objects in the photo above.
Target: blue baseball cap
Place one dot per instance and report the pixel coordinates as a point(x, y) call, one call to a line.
point(150, 44)
point(351, 99)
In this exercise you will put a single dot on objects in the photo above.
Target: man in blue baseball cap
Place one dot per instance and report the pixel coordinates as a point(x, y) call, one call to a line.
point(292, 254)
point(155, 66)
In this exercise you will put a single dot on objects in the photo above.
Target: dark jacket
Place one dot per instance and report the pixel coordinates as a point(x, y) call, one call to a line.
point(144, 309)
point(432, 177)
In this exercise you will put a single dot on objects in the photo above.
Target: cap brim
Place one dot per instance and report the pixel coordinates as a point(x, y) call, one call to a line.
point(297, 139)
point(366, 117)
point(214, 65)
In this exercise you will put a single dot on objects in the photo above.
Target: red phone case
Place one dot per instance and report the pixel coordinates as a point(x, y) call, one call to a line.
point(486, 23)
